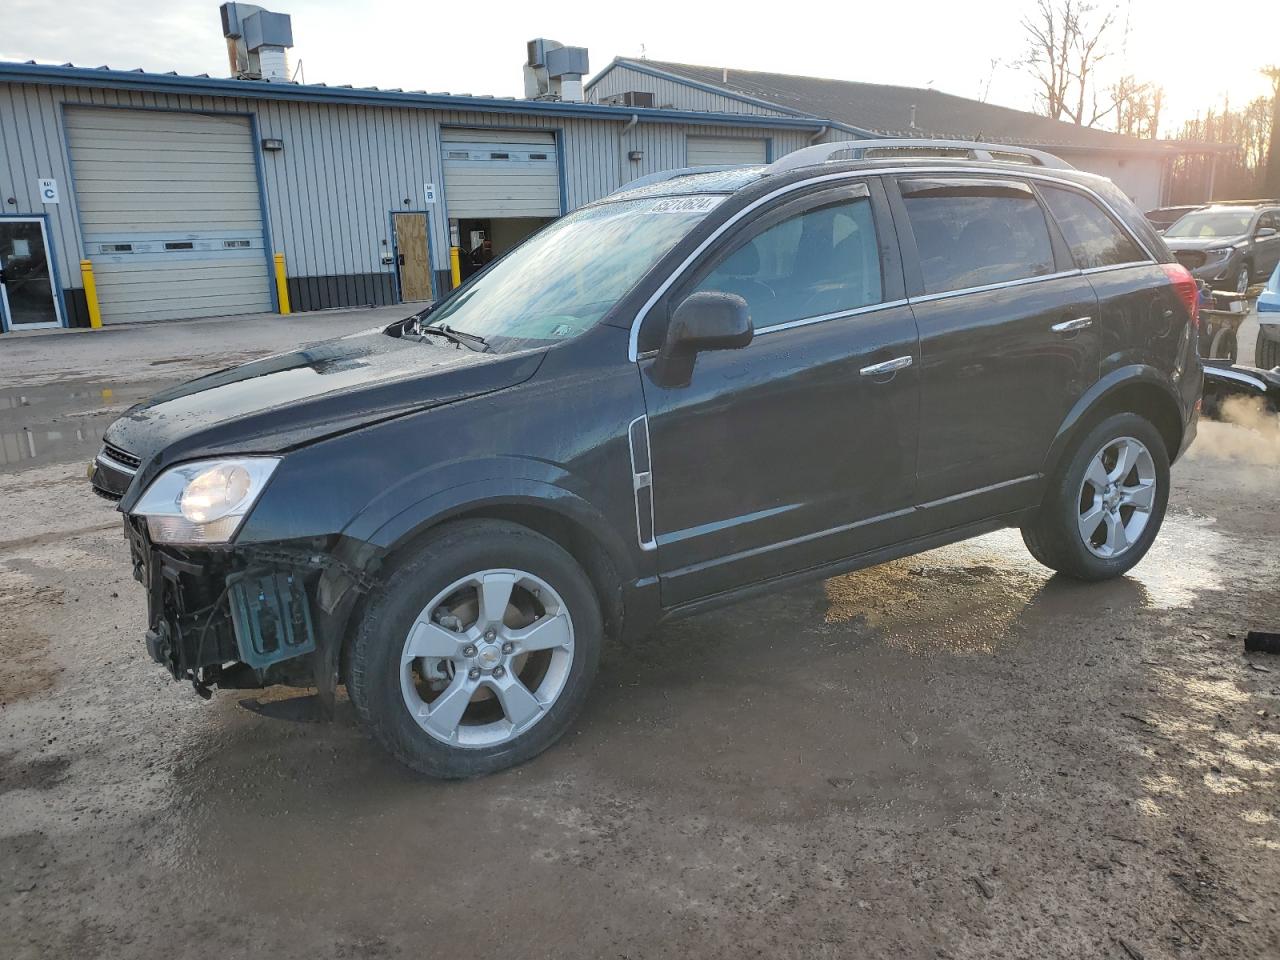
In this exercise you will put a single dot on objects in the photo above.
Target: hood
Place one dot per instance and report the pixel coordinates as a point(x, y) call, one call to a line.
point(1201, 243)
point(283, 401)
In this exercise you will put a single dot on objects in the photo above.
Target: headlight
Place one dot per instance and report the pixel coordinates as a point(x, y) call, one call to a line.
point(205, 501)
point(1217, 252)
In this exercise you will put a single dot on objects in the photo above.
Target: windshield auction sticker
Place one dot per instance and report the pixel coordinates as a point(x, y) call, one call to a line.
point(685, 205)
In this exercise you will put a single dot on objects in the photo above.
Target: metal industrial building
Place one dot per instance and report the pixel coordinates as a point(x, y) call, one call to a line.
point(178, 191)
point(128, 196)
point(1139, 167)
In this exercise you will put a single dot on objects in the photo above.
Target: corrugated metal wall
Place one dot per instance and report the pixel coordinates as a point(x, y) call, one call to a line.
point(670, 93)
point(343, 170)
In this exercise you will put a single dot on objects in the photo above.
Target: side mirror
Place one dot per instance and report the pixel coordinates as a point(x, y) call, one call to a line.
point(1265, 232)
point(702, 321)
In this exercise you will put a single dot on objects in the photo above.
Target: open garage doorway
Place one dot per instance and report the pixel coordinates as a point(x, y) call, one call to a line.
point(500, 186)
point(484, 240)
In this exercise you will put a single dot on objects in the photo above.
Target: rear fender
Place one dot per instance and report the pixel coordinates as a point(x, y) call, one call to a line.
point(1137, 388)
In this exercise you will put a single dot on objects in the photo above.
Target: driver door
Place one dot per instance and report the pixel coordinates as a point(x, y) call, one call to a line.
point(800, 448)
point(1266, 247)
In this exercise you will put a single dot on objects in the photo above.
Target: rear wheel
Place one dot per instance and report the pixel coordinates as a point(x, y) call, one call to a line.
point(477, 652)
point(1104, 509)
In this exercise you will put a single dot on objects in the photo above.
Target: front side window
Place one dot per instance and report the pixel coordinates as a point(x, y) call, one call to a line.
point(1093, 237)
point(974, 233)
point(567, 277)
point(821, 261)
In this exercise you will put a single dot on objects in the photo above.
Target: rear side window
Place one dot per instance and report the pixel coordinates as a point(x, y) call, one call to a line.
point(974, 233)
point(822, 261)
point(1094, 238)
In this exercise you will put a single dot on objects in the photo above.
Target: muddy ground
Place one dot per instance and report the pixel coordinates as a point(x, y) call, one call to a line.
point(955, 755)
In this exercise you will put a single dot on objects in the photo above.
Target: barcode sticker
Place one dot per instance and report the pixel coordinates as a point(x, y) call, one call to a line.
point(685, 205)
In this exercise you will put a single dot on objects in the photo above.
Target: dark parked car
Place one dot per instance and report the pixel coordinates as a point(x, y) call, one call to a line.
point(1162, 218)
point(1228, 245)
point(687, 393)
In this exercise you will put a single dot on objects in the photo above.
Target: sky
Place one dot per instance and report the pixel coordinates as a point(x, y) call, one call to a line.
point(971, 49)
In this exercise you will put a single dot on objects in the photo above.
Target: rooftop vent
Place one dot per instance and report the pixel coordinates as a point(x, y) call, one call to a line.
point(257, 42)
point(554, 71)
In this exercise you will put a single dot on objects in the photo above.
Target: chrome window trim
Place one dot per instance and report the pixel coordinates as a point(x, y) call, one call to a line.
point(116, 465)
point(823, 318)
point(1119, 266)
point(633, 339)
point(1020, 282)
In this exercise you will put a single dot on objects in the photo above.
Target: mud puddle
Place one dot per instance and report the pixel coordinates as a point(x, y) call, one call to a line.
point(64, 421)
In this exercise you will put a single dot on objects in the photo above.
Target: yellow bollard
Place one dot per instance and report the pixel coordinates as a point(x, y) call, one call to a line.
point(282, 286)
point(90, 294)
point(455, 266)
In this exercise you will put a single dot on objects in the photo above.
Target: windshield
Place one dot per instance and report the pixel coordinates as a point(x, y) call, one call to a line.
point(1208, 224)
point(564, 280)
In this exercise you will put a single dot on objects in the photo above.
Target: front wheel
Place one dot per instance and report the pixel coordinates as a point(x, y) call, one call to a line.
point(1104, 508)
point(477, 652)
point(1242, 279)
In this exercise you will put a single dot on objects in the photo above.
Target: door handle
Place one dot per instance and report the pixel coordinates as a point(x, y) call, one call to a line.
point(889, 366)
point(1071, 326)
point(400, 259)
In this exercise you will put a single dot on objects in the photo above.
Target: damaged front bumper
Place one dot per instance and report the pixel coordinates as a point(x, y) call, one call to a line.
point(245, 617)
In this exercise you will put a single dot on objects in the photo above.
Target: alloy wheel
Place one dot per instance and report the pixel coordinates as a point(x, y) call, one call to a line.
point(487, 658)
point(1242, 279)
point(1116, 497)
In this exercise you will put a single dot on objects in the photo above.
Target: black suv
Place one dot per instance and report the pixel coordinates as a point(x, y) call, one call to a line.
point(702, 387)
point(1228, 245)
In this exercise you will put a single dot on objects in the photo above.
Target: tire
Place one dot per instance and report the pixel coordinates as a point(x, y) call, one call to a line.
point(1242, 279)
point(1266, 353)
point(1224, 345)
point(1228, 348)
point(446, 581)
point(1054, 535)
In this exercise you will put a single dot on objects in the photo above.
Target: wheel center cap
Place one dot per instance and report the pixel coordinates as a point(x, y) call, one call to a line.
point(489, 656)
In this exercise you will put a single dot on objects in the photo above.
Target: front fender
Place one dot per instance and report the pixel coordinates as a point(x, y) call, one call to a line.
point(477, 495)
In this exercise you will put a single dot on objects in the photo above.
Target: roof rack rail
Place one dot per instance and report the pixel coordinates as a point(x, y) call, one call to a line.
point(663, 175)
point(870, 149)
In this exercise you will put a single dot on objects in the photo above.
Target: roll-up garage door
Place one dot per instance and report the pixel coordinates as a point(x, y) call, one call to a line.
point(500, 173)
point(717, 151)
point(171, 211)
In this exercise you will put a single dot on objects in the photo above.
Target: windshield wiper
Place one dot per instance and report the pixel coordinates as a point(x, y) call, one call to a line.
point(472, 340)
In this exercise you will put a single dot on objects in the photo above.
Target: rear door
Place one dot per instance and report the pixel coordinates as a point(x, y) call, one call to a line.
point(798, 449)
point(1007, 340)
point(1140, 319)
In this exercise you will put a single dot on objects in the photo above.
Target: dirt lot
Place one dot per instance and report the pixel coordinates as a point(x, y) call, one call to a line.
point(955, 755)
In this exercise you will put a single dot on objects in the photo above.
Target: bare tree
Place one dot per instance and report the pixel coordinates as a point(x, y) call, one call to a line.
point(1239, 169)
point(1137, 106)
point(1271, 174)
point(1066, 41)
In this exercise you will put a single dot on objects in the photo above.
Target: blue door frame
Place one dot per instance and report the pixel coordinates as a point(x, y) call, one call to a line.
point(59, 305)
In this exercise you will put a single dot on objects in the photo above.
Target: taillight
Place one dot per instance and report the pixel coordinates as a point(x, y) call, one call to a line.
point(1184, 284)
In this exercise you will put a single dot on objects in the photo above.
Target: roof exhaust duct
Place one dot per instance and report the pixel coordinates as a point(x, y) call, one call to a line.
point(553, 71)
point(257, 42)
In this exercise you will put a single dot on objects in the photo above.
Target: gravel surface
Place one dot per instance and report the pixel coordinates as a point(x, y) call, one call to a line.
point(954, 755)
